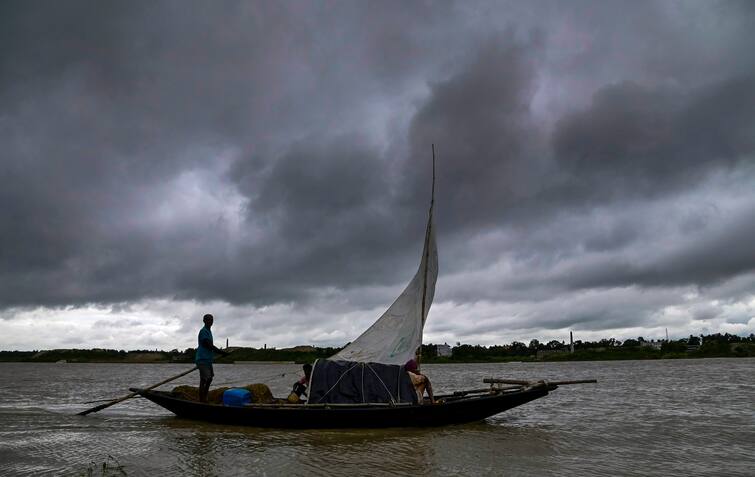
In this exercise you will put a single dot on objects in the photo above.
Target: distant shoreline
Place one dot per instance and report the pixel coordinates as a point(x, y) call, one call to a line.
point(462, 354)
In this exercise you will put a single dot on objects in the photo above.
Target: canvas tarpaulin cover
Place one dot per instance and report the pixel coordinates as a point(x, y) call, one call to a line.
point(346, 382)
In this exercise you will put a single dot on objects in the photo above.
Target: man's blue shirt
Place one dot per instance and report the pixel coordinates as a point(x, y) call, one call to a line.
point(204, 355)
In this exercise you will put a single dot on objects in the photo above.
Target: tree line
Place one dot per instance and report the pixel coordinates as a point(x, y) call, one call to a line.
point(608, 348)
point(633, 348)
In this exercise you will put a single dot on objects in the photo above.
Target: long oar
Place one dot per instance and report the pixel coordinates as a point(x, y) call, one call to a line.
point(103, 406)
point(105, 400)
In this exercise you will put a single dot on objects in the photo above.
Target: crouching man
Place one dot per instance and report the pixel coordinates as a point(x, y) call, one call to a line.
point(420, 381)
point(300, 386)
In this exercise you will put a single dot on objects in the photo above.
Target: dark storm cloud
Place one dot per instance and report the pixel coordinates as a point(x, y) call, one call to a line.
point(323, 216)
point(632, 143)
point(268, 153)
point(635, 141)
point(104, 104)
point(480, 118)
point(333, 209)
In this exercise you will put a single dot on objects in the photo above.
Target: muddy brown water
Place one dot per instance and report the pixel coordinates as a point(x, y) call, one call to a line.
point(670, 417)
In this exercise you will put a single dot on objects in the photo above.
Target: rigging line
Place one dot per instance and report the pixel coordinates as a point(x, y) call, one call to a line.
point(393, 401)
point(235, 383)
point(336, 383)
point(280, 375)
point(263, 378)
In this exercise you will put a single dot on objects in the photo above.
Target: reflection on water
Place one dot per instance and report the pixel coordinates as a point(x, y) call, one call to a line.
point(694, 417)
point(356, 452)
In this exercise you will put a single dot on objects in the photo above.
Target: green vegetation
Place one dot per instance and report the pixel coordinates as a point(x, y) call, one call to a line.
point(300, 354)
point(710, 346)
point(109, 468)
point(97, 355)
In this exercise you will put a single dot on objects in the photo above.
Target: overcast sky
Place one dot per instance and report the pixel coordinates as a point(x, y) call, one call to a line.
point(269, 162)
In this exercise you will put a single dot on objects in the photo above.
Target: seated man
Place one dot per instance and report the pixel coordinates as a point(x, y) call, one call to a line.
point(300, 386)
point(420, 381)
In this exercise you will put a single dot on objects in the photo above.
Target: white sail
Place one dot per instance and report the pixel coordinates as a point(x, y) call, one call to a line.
point(396, 335)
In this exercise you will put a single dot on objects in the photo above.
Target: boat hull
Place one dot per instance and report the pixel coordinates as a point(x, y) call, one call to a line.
point(453, 411)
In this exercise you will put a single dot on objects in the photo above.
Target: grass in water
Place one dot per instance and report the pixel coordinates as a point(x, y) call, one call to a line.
point(109, 468)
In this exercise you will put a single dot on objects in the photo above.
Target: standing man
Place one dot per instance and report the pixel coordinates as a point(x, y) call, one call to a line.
point(204, 356)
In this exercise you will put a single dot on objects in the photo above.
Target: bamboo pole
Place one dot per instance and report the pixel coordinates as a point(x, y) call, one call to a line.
point(105, 400)
point(488, 390)
point(116, 401)
point(576, 381)
point(483, 390)
point(526, 383)
point(464, 393)
point(427, 258)
point(506, 381)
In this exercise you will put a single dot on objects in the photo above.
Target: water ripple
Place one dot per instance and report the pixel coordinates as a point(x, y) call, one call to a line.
point(695, 417)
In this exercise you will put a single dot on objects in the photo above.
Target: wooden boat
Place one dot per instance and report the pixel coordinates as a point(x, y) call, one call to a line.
point(457, 408)
point(384, 347)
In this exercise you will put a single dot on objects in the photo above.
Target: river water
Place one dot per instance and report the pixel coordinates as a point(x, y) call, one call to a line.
point(670, 417)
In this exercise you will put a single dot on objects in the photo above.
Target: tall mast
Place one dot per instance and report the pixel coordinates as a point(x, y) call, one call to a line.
point(427, 254)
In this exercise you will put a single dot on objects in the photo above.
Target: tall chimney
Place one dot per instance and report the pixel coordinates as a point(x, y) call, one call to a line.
point(571, 342)
point(226, 343)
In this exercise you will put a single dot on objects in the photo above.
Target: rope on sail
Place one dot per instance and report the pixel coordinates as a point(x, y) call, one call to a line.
point(337, 381)
point(390, 394)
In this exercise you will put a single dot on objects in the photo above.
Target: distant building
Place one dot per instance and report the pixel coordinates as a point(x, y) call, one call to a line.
point(444, 350)
point(655, 344)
